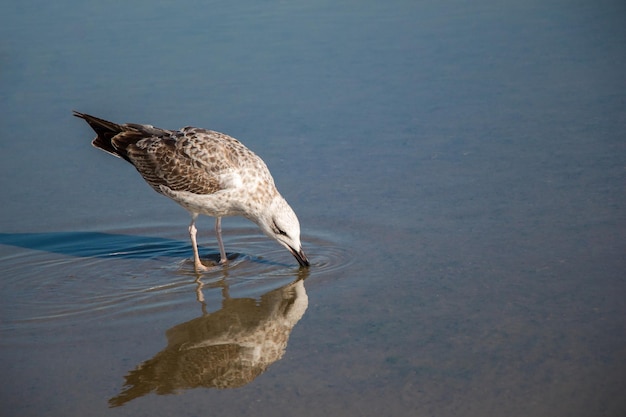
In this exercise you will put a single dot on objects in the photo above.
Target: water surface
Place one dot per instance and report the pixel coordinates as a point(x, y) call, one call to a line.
point(458, 170)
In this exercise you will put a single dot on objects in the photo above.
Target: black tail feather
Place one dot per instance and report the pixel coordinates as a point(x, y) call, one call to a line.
point(105, 130)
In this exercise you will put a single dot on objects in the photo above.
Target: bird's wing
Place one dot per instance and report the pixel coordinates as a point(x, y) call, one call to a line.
point(192, 160)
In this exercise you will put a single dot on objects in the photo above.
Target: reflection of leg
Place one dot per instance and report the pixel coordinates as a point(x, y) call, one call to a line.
point(192, 234)
point(199, 294)
point(218, 232)
point(225, 292)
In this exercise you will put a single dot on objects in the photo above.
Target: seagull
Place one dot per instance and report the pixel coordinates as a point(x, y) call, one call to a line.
point(206, 172)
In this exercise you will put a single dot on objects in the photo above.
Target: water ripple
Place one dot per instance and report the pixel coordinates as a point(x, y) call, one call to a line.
point(56, 279)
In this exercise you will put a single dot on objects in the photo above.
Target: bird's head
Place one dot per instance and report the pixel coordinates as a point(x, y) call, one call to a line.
point(281, 224)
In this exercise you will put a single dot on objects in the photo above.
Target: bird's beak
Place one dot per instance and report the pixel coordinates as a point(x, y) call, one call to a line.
point(300, 257)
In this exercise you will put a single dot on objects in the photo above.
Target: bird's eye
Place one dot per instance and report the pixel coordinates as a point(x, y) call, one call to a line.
point(277, 229)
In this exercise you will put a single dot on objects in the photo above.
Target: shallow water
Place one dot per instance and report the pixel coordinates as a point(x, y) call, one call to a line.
point(458, 170)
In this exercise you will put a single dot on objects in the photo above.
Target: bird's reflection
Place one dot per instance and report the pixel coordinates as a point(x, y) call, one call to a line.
point(224, 349)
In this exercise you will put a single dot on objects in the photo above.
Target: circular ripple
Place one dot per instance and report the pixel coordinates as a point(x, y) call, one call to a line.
point(256, 262)
point(124, 275)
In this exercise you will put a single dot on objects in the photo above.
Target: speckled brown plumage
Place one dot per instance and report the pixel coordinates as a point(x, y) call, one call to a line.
point(206, 172)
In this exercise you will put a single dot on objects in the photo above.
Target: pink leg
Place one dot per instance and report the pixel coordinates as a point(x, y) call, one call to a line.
point(192, 233)
point(218, 232)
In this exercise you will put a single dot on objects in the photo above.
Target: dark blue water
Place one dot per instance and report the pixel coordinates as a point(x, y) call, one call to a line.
point(458, 169)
